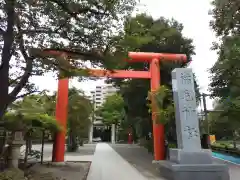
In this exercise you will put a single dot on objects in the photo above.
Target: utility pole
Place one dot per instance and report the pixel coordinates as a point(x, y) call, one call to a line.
point(92, 120)
point(205, 111)
point(207, 120)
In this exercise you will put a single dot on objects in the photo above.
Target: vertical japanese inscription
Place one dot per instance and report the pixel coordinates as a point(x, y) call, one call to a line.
point(186, 115)
point(186, 78)
point(192, 132)
point(187, 95)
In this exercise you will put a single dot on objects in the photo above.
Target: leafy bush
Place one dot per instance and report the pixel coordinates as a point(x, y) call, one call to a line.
point(72, 147)
point(165, 108)
point(172, 145)
point(225, 148)
point(148, 144)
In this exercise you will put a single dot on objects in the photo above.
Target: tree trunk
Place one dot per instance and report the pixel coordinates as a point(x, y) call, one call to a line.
point(26, 150)
point(3, 141)
point(234, 144)
point(30, 144)
point(42, 150)
point(234, 140)
point(8, 38)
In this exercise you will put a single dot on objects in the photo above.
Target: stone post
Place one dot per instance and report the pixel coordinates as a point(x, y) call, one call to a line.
point(189, 161)
point(113, 133)
point(90, 136)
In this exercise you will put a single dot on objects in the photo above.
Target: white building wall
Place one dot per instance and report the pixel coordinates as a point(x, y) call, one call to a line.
point(100, 94)
point(98, 97)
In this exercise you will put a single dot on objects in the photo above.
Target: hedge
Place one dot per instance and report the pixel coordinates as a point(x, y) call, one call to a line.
point(225, 148)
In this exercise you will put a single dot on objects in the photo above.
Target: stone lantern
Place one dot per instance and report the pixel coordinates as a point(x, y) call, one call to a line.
point(15, 144)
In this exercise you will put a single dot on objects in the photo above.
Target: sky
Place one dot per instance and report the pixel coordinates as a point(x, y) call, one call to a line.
point(193, 14)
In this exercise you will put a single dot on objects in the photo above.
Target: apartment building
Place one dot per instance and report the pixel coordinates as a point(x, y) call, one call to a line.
point(101, 93)
point(98, 97)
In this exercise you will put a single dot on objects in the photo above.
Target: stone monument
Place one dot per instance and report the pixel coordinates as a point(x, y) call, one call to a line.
point(189, 161)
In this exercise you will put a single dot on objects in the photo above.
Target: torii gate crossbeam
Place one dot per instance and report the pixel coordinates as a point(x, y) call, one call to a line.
point(153, 74)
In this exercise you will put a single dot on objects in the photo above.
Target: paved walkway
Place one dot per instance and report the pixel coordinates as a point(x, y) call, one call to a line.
point(139, 158)
point(108, 165)
point(142, 161)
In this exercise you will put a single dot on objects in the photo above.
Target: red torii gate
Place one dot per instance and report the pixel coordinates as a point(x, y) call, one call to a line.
point(153, 74)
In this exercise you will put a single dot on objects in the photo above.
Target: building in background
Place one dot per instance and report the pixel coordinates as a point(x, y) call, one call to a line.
point(101, 93)
point(98, 97)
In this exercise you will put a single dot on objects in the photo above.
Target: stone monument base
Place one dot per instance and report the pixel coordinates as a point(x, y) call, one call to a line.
point(180, 156)
point(174, 171)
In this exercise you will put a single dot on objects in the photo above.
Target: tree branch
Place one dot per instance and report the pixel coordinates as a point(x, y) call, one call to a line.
point(26, 94)
point(72, 54)
point(29, 64)
point(78, 54)
point(65, 7)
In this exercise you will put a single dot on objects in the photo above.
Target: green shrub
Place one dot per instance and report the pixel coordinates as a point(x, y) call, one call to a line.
point(225, 148)
point(149, 146)
point(72, 147)
point(172, 145)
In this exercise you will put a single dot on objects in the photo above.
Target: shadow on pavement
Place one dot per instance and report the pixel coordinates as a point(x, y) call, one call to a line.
point(139, 158)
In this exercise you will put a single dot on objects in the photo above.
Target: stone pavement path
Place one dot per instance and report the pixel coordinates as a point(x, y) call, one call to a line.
point(139, 158)
point(109, 165)
point(234, 170)
point(142, 161)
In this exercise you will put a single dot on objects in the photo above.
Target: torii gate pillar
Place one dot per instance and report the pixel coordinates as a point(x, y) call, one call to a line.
point(158, 129)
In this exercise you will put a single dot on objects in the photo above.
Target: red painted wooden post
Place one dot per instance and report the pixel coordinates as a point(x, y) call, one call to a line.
point(61, 116)
point(158, 129)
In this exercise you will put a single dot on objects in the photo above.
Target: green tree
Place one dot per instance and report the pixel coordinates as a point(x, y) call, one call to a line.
point(225, 72)
point(225, 83)
point(31, 116)
point(84, 27)
point(34, 113)
point(223, 122)
point(143, 33)
point(226, 17)
point(79, 111)
point(112, 110)
point(162, 98)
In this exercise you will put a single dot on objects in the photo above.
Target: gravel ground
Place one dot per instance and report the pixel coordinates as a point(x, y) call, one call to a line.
point(76, 170)
point(68, 171)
